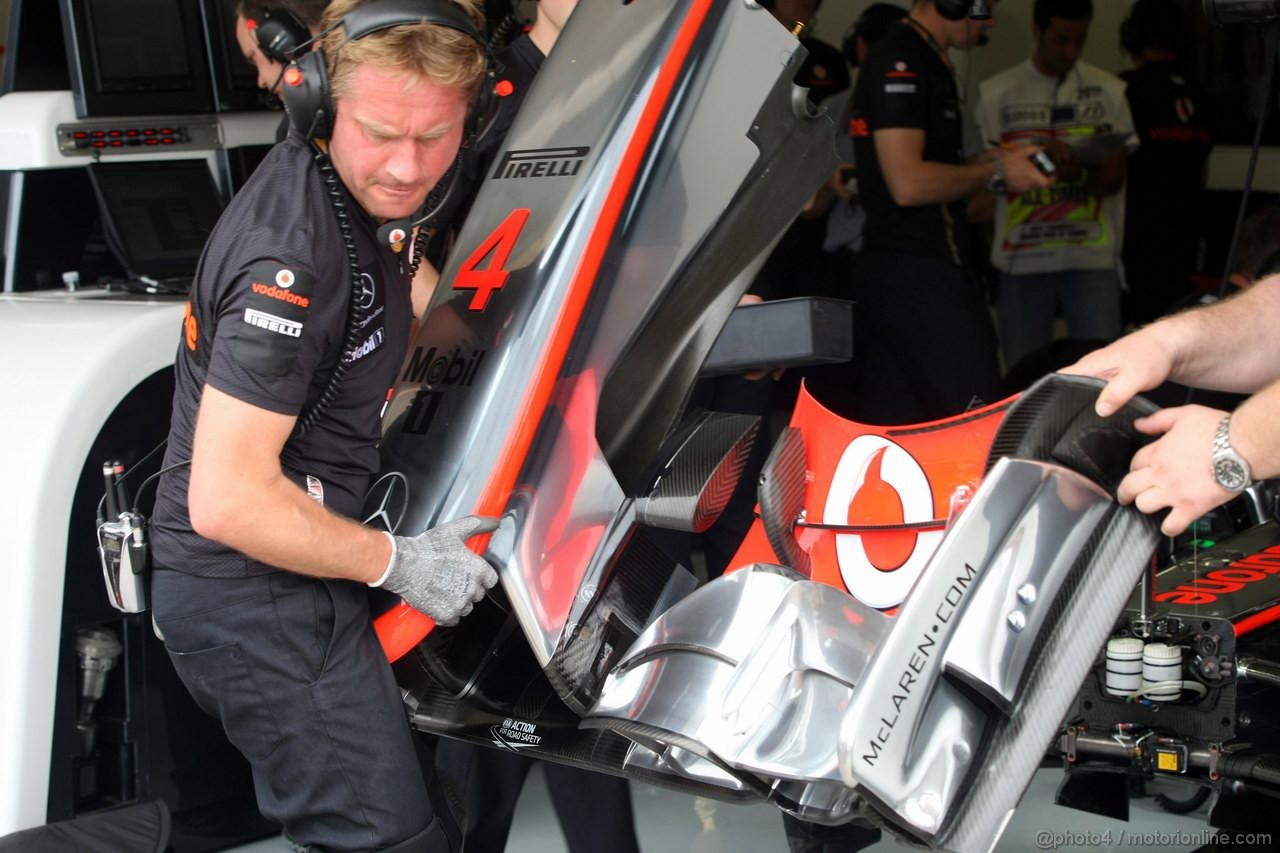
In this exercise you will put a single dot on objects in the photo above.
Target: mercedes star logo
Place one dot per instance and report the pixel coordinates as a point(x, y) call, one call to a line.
point(366, 291)
point(386, 501)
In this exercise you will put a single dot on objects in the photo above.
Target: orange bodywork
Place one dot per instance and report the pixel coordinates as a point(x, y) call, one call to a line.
point(901, 480)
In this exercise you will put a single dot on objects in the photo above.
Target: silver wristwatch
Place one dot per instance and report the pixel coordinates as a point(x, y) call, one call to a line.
point(998, 182)
point(1229, 470)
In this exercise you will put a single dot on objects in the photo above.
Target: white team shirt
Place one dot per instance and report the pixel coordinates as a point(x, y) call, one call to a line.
point(1059, 228)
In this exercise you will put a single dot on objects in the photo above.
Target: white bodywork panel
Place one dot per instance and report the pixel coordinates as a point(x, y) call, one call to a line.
point(66, 362)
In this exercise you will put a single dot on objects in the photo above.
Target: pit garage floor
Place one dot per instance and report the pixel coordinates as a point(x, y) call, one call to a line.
point(669, 822)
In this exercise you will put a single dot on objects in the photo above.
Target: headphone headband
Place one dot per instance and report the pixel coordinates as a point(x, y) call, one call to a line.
point(306, 82)
point(958, 10)
point(280, 34)
point(378, 15)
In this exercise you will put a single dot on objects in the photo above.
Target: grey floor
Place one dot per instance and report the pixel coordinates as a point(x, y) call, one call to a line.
point(668, 822)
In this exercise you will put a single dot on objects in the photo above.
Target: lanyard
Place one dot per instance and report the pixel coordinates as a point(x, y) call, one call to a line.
point(933, 42)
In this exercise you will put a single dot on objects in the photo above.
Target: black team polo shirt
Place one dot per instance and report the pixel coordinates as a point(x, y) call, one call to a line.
point(905, 84)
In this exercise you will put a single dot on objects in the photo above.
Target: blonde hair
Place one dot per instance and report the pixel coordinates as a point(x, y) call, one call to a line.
point(443, 55)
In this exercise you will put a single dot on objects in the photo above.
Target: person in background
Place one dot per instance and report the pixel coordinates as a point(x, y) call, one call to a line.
point(1164, 199)
point(1059, 246)
point(846, 216)
point(924, 343)
point(269, 33)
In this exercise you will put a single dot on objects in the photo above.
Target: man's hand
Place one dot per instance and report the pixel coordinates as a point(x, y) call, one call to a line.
point(1133, 364)
point(1064, 158)
point(1020, 173)
point(437, 574)
point(1175, 471)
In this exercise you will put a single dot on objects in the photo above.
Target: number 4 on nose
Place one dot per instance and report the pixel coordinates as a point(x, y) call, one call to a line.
point(497, 247)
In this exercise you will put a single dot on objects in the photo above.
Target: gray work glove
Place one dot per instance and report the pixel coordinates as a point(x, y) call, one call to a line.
point(437, 574)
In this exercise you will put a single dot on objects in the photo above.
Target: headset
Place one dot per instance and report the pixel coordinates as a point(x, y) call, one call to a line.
point(306, 91)
point(279, 34)
point(958, 10)
point(311, 112)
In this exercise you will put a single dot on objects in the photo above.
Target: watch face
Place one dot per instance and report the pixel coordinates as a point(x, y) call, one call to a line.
point(1230, 474)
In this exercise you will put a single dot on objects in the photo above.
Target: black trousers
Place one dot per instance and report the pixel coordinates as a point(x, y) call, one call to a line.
point(924, 346)
point(292, 668)
point(594, 809)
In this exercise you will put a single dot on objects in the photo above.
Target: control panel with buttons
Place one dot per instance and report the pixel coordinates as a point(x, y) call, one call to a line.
point(133, 137)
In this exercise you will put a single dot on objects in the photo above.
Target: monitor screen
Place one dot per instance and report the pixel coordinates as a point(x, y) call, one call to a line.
point(136, 57)
point(35, 58)
point(158, 215)
point(44, 238)
point(137, 52)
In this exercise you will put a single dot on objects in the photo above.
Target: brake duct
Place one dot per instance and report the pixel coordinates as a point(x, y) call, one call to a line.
point(930, 721)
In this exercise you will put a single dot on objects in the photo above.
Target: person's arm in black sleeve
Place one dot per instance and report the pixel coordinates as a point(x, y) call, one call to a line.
point(898, 113)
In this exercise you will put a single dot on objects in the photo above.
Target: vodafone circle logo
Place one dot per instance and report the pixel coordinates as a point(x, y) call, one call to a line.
point(397, 235)
point(285, 278)
point(878, 482)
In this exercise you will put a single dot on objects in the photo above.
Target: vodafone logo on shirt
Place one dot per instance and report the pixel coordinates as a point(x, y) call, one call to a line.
point(878, 482)
point(273, 292)
point(285, 278)
point(900, 71)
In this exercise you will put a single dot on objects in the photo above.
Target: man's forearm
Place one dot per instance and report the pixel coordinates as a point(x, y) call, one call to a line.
point(1255, 432)
point(1231, 345)
point(278, 524)
point(939, 183)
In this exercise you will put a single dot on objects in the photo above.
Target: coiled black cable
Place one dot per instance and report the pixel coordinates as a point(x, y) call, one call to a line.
point(355, 313)
point(502, 32)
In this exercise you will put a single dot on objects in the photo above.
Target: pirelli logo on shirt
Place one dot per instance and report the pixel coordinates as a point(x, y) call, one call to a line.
point(272, 323)
point(277, 300)
point(900, 80)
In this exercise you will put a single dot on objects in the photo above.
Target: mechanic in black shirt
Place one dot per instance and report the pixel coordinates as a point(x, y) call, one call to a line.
point(259, 590)
point(1165, 185)
point(924, 343)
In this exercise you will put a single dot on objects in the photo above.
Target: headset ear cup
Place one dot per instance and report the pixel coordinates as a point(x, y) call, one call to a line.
point(952, 10)
point(306, 96)
point(280, 34)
